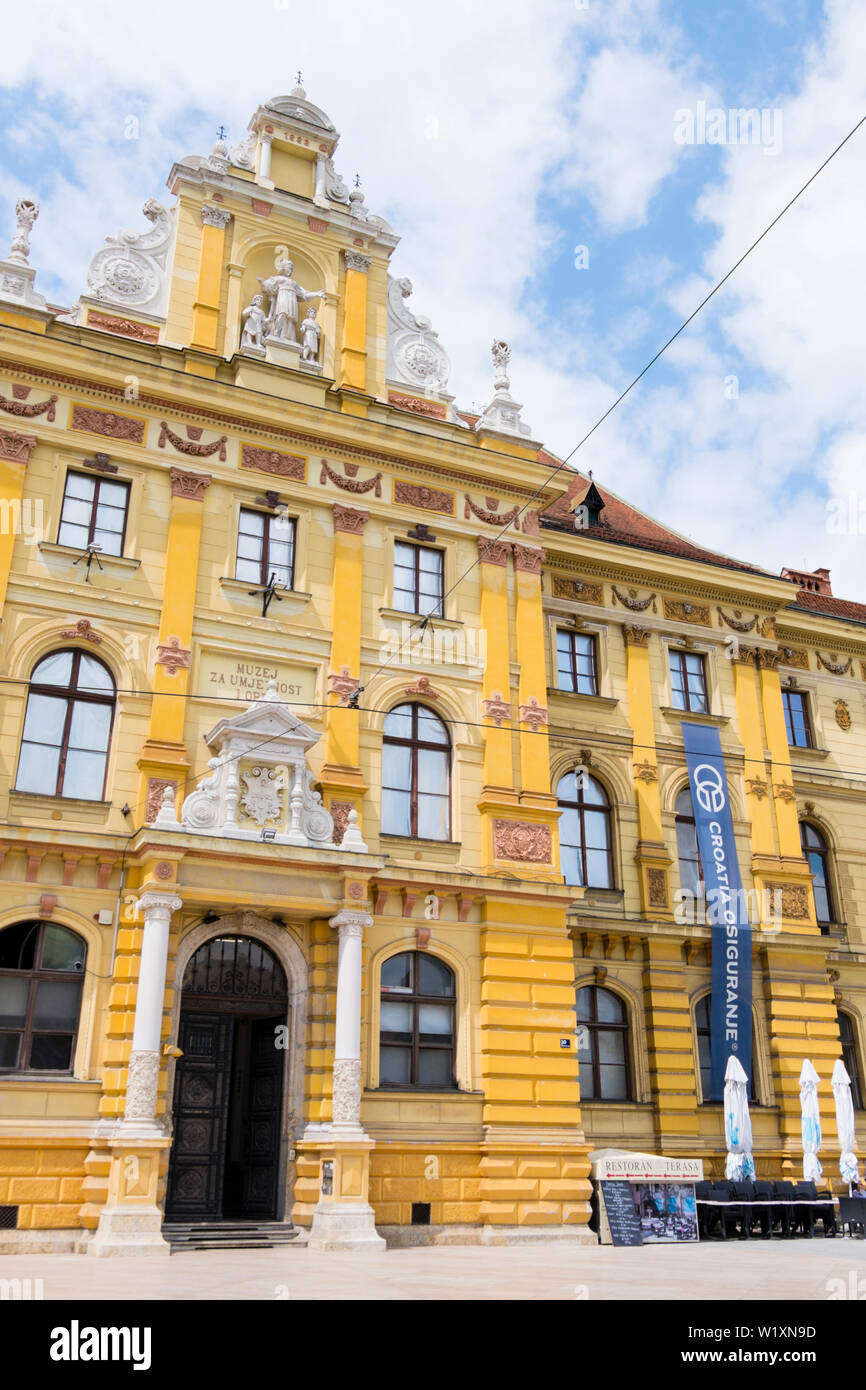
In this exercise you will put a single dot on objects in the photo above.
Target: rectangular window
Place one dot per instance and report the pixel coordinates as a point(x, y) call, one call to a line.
point(418, 578)
point(266, 548)
point(576, 668)
point(689, 682)
point(94, 513)
point(797, 720)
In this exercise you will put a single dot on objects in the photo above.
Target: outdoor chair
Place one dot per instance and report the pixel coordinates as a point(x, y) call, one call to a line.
point(731, 1213)
point(797, 1214)
point(776, 1213)
point(852, 1213)
point(806, 1192)
point(745, 1192)
point(707, 1216)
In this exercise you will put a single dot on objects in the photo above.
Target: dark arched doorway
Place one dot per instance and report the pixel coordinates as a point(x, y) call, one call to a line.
point(225, 1155)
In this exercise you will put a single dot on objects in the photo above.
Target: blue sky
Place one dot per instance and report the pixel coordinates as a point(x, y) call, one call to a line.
point(497, 137)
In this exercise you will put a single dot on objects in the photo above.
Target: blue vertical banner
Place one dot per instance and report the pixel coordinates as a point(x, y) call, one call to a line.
point(731, 998)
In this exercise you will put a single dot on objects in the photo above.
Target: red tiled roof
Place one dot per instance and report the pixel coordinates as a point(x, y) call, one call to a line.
point(833, 607)
point(621, 524)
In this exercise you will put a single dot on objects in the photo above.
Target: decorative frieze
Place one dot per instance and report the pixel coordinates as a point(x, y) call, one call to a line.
point(489, 514)
point(351, 483)
point(794, 900)
point(28, 410)
point(577, 589)
point(94, 420)
point(191, 444)
point(192, 486)
point(350, 519)
point(418, 405)
point(124, 328)
point(15, 447)
point(429, 499)
point(834, 665)
point(794, 656)
point(657, 887)
point(683, 612)
point(522, 841)
point(736, 621)
point(273, 461)
point(631, 600)
point(527, 558)
point(496, 708)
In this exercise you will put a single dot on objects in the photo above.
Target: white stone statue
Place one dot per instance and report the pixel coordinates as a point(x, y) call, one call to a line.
point(311, 332)
point(26, 213)
point(284, 294)
point(254, 320)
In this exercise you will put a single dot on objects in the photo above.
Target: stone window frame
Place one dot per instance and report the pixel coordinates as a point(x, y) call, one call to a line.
point(463, 1020)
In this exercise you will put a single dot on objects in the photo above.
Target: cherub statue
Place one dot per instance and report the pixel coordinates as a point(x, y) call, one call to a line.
point(311, 332)
point(254, 320)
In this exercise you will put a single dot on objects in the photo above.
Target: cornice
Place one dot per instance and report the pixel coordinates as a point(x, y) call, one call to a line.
point(656, 574)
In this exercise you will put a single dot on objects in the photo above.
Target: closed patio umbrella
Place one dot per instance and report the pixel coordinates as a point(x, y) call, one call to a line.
point(810, 1122)
point(739, 1165)
point(841, 1083)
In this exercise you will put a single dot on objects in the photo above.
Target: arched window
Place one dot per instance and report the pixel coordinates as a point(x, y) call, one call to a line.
point(691, 873)
point(850, 1057)
point(703, 1030)
point(602, 1046)
point(584, 831)
point(416, 774)
point(817, 856)
point(416, 1022)
point(41, 975)
point(67, 727)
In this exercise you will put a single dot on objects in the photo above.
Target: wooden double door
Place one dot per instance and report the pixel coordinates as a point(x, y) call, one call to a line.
point(226, 1152)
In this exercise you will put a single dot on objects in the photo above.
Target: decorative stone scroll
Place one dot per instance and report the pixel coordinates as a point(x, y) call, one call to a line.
point(272, 461)
point(130, 270)
point(496, 708)
point(351, 484)
point(15, 447)
point(632, 602)
point(834, 665)
point(843, 716)
point(684, 612)
point(522, 841)
point(28, 410)
point(96, 421)
point(429, 499)
point(82, 632)
point(414, 353)
point(190, 445)
point(173, 656)
point(192, 486)
point(577, 589)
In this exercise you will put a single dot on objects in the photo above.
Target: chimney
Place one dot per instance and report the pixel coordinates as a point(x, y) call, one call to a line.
point(813, 581)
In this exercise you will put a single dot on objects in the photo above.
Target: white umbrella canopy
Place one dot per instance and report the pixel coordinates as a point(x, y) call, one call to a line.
point(739, 1165)
point(841, 1083)
point(810, 1122)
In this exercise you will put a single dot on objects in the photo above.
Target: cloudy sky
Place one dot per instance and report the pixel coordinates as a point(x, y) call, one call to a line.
point(564, 174)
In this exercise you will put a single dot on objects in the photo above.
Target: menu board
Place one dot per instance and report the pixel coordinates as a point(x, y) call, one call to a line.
point(622, 1216)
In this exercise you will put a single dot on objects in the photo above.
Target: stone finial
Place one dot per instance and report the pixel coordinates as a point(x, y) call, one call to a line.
point(26, 213)
point(502, 415)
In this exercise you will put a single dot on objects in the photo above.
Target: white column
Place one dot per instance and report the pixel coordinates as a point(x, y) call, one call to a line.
point(346, 1110)
point(141, 1087)
point(265, 158)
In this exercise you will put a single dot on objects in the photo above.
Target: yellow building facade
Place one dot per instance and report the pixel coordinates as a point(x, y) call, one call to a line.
point(341, 760)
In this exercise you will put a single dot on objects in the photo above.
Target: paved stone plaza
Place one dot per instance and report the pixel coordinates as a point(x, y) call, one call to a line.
point(800, 1270)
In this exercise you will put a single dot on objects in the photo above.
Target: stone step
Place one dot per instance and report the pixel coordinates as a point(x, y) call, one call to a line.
point(230, 1235)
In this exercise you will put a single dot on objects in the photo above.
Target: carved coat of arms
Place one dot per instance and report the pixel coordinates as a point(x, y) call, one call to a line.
point(262, 800)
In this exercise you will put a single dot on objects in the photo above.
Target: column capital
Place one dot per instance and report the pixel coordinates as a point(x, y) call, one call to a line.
point(159, 904)
point(351, 921)
point(527, 558)
point(15, 447)
point(635, 636)
point(493, 552)
point(189, 485)
point(350, 519)
point(356, 261)
point(214, 216)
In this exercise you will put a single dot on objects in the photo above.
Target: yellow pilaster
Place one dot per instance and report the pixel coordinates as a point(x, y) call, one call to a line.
point(787, 823)
point(651, 856)
point(496, 685)
point(802, 1022)
point(353, 351)
point(205, 317)
point(164, 752)
point(758, 799)
point(532, 697)
point(341, 776)
point(15, 450)
point(670, 1047)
